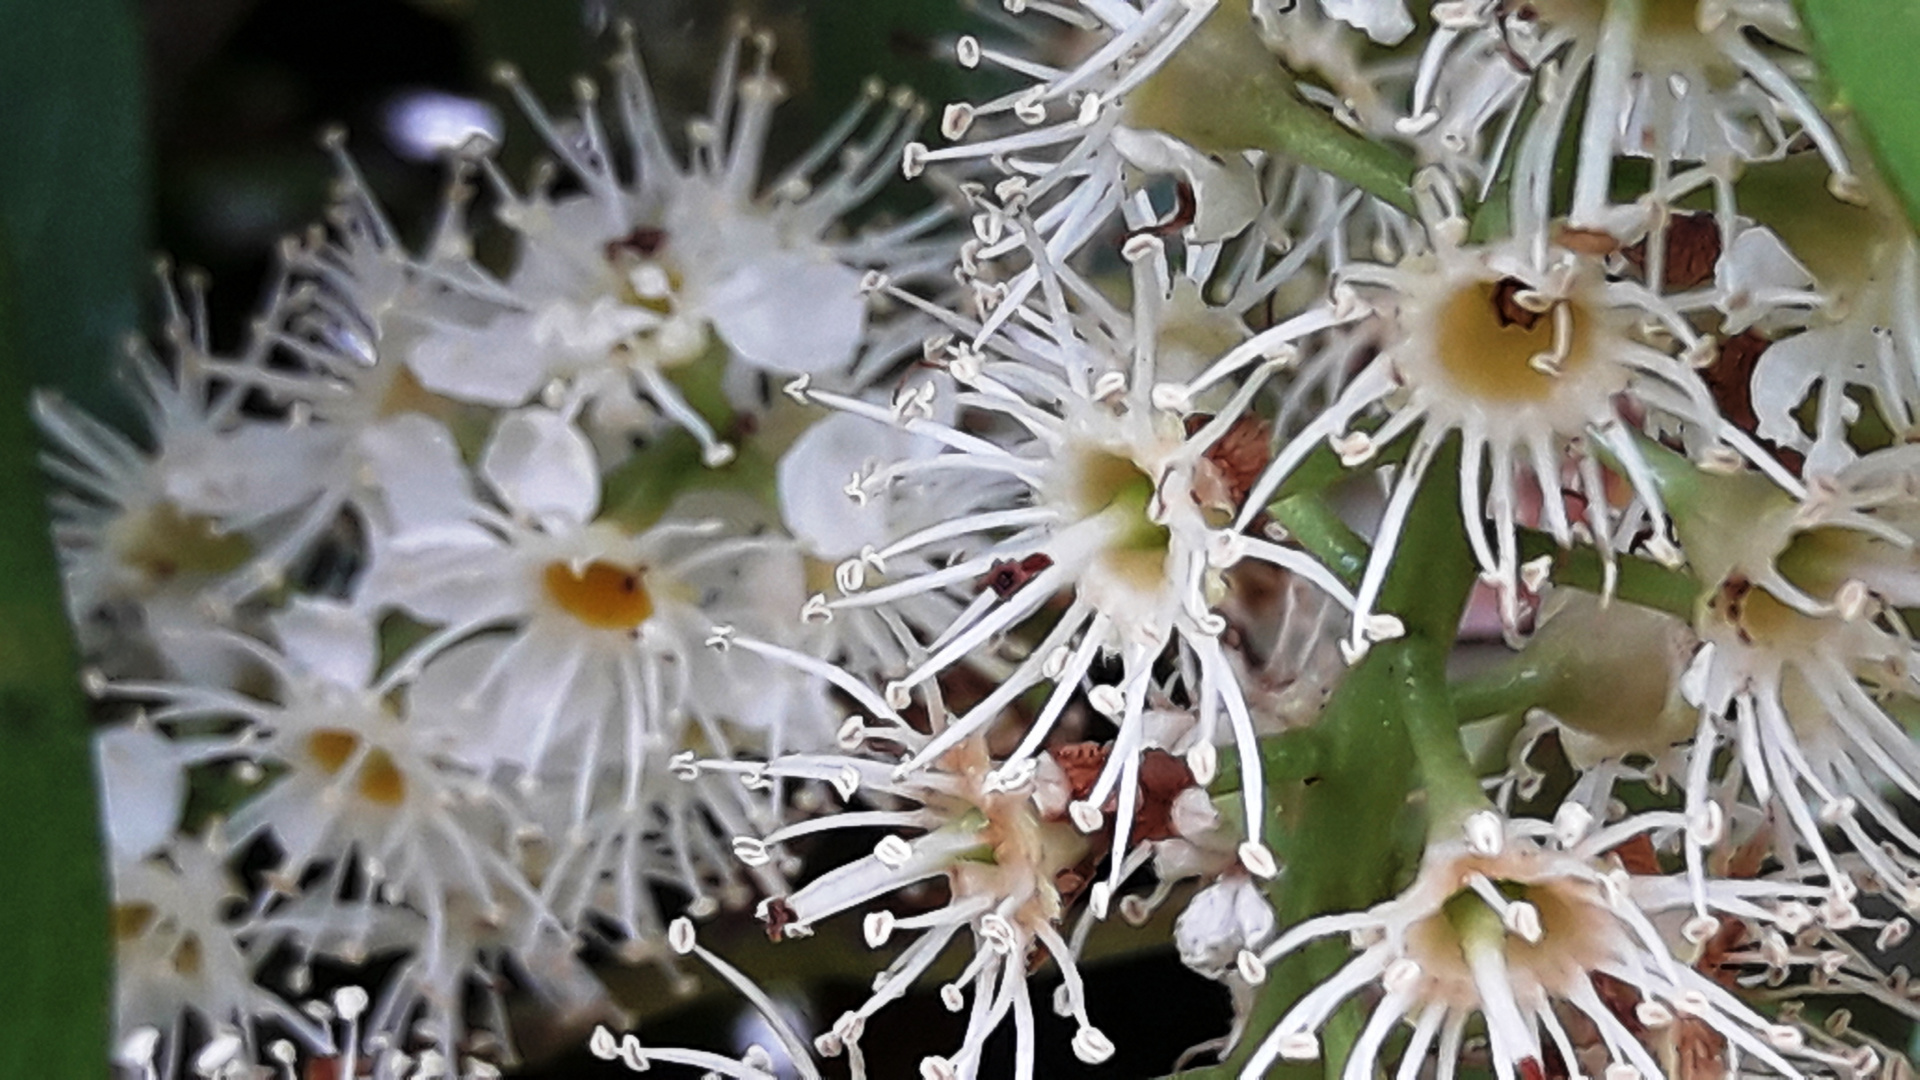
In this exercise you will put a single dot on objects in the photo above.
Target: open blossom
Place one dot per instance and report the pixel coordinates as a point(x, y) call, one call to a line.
point(1014, 865)
point(159, 543)
point(1804, 658)
point(565, 641)
point(179, 954)
point(1527, 351)
point(1522, 923)
point(1683, 82)
point(1093, 490)
point(1858, 269)
point(664, 258)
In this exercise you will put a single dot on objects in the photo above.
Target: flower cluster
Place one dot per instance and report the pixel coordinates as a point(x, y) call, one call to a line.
point(1097, 538)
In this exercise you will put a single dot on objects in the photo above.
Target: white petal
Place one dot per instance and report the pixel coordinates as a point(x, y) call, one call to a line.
point(1385, 21)
point(142, 790)
point(813, 479)
point(542, 466)
point(423, 483)
point(1226, 194)
point(329, 639)
point(790, 312)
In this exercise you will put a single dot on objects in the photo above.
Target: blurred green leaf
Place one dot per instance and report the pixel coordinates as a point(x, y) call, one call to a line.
point(72, 240)
point(54, 998)
point(73, 193)
point(1867, 51)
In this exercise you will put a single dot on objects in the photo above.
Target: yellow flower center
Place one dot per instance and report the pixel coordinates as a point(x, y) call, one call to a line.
point(378, 780)
point(602, 595)
point(1104, 481)
point(131, 920)
point(163, 543)
point(1491, 346)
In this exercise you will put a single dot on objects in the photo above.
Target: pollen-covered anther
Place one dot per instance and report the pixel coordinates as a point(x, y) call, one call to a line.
point(1085, 816)
point(1485, 834)
point(1141, 247)
point(1251, 969)
point(1225, 549)
point(1893, 934)
point(1722, 461)
point(1707, 824)
point(1299, 1046)
point(1383, 627)
point(1785, 1037)
point(1354, 448)
point(1534, 573)
point(219, 1051)
point(877, 927)
point(1107, 700)
point(892, 852)
point(846, 782)
point(1257, 859)
point(751, 850)
point(815, 611)
point(952, 997)
point(1522, 920)
point(1172, 397)
point(1203, 761)
point(1091, 1045)
point(1853, 600)
point(1109, 386)
point(899, 695)
point(1700, 929)
point(1652, 1014)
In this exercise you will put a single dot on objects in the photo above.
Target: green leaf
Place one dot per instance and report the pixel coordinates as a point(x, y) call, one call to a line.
point(54, 1011)
point(73, 240)
point(1867, 50)
point(73, 194)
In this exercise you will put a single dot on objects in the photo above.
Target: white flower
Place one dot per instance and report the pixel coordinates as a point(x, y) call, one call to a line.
point(1517, 935)
point(1013, 868)
point(663, 257)
point(1710, 82)
point(1859, 267)
point(177, 952)
point(157, 545)
point(565, 643)
point(1087, 487)
point(1526, 351)
point(1805, 658)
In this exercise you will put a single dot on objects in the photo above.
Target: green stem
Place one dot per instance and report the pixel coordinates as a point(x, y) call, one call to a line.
point(1452, 783)
point(1309, 520)
point(1224, 93)
point(1639, 581)
point(1321, 468)
point(1391, 721)
point(1513, 687)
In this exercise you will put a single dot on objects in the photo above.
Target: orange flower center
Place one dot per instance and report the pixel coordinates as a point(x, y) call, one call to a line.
point(378, 780)
point(602, 595)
